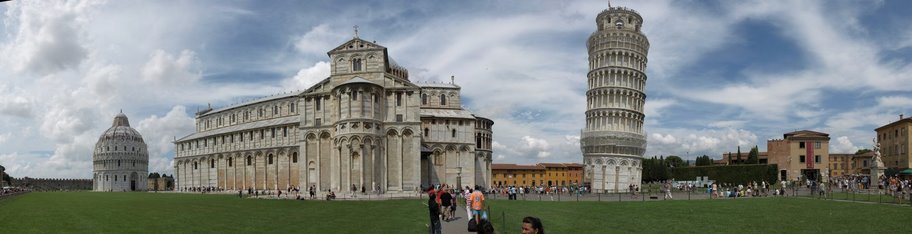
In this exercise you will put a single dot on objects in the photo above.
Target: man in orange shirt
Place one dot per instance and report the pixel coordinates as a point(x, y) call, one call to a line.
point(477, 199)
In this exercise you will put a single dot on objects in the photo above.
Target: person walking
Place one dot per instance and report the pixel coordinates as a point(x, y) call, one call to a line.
point(477, 205)
point(667, 188)
point(445, 201)
point(468, 201)
point(455, 203)
point(434, 211)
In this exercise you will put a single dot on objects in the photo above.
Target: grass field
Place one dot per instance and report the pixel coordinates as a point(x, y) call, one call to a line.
point(756, 215)
point(149, 212)
point(88, 212)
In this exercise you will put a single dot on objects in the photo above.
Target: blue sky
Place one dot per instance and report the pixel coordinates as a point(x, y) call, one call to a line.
point(721, 73)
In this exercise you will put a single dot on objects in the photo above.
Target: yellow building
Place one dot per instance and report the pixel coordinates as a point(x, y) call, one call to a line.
point(895, 143)
point(517, 175)
point(548, 174)
point(801, 155)
point(850, 164)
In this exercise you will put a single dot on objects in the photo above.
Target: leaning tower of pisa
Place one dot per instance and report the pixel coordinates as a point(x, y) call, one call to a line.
point(613, 141)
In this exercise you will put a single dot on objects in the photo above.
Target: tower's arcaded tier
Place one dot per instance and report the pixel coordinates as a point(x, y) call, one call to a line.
point(613, 141)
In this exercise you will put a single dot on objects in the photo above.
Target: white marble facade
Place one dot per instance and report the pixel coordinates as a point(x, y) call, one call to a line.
point(613, 141)
point(366, 125)
point(120, 159)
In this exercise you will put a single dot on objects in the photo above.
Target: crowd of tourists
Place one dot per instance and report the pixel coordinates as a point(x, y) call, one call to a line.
point(751, 189)
point(896, 187)
point(10, 191)
point(511, 192)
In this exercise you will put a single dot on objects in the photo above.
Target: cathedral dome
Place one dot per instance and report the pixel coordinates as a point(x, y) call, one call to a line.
point(121, 130)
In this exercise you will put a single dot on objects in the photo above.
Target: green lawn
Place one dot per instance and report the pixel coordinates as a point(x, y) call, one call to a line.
point(149, 212)
point(756, 215)
point(869, 197)
point(89, 212)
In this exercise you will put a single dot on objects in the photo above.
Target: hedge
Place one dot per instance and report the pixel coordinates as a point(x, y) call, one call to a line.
point(733, 174)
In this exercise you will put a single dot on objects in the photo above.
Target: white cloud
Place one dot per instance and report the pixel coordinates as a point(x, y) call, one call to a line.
point(688, 142)
point(320, 39)
point(843, 145)
point(895, 101)
point(159, 132)
point(653, 107)
point(46, 35)
point(728, 124)
point(663, 139)
point(14, 105)
point(164, 69)
point(308, 76)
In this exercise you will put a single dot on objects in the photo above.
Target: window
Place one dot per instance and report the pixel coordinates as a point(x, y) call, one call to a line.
point(817, 158)
point(232, 138)
point(423, 99)
point(249, 160)
point(443, 100)
point(454, 132)
point(399, 118)
point(285, 131)
point(262, 134)
point(273, 132)
point(275, 110)
point(317, 122)
point(398, 99)
point(354, 96)
point(241, 137)
point(356, 64)
point(294, 157)
point(270, 159)
point(426, 131)
point(250, 136)
point(801, 158)
point(260, 112)
point(211, 163)
point(817, 145)
point(801, 145)
point(291, 107)
point(317, 103)
point(229, 162)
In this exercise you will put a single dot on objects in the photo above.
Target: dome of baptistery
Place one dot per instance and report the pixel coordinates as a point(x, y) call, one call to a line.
point(120, 159)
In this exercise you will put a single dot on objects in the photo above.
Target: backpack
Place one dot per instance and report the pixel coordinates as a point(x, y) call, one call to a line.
point(473, 227)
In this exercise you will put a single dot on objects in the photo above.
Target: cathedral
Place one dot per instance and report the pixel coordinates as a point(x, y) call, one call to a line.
point(366, 127)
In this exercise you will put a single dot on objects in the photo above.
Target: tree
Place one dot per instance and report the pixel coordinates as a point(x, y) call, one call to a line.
point(754, 156)
point(729, 158)
point(863, 151)
point(675, 161)
point(704, 161)
point(738, 161)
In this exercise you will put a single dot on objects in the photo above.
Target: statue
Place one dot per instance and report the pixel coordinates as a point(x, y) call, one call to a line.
point(877, 166)
point(876, 161)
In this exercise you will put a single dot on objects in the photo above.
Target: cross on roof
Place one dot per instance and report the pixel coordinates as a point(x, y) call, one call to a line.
point(356, 31)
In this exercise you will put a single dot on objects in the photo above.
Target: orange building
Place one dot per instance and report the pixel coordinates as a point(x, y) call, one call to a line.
point(548, 174)
point(800, 155)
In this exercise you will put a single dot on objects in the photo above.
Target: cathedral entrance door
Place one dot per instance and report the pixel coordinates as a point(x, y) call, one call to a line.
point(133, 178)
